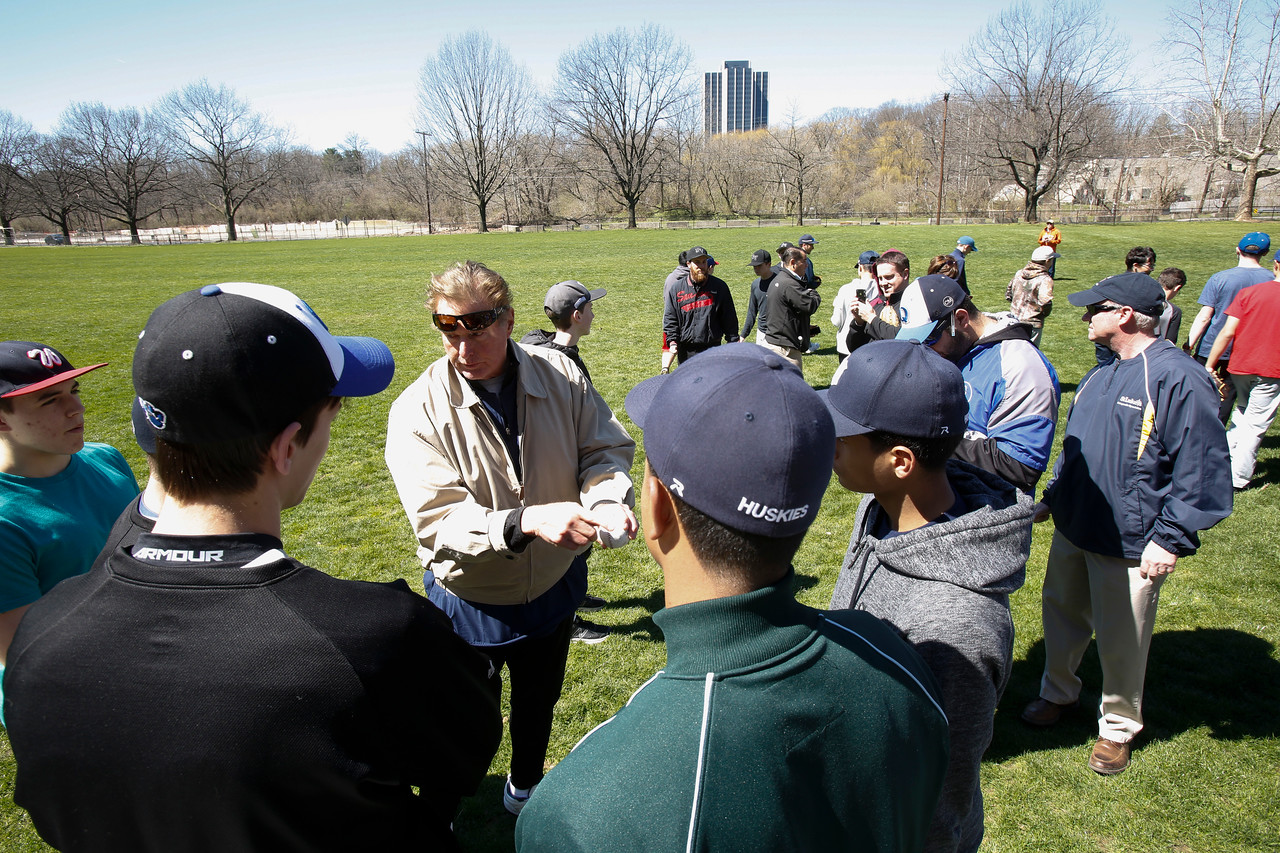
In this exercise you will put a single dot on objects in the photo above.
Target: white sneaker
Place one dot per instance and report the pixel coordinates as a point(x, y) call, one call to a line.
point(513, 799)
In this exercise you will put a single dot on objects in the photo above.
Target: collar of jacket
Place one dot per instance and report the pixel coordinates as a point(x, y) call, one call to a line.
point(461, 395)
point(725, 634)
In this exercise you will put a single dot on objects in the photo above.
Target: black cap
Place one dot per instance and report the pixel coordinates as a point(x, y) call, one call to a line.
point(1138, 290)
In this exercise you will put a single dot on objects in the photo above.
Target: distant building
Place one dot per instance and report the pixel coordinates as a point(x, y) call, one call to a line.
point(735, 99)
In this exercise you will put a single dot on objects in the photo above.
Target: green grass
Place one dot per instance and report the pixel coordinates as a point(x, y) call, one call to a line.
point(1206, 775)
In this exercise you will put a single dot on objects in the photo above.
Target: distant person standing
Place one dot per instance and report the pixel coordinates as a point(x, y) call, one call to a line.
point(1141, 259)
point(1218, 293)
point(699, 312)
point(1030, 292)
point(1172, 280)
point(1253, 319)
point(757, 300)
point(807, 245)
point(861, 288)
point(792, 301)
point(681, 271)
point(964, 246)
point(1051, 237)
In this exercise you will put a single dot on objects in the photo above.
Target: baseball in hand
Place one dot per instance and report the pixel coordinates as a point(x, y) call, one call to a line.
point(611, 538)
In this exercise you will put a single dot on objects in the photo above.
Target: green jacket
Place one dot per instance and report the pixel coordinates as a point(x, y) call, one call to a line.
point(774, 727)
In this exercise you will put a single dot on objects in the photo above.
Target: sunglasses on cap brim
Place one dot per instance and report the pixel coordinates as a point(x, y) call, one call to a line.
point(936, 334)
point(473, 322)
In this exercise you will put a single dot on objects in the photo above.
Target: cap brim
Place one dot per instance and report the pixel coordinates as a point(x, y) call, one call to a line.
point(367, 367)
point(66, 376)
point(845, 426)
point(1085, 297)
point(918, 333)
point(599, 293)
point(640, 398)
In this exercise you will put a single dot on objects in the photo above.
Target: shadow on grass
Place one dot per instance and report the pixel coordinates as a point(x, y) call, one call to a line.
point(1218, 678)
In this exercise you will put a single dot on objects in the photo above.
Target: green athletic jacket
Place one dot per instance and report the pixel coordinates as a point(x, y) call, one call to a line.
point(774, 727)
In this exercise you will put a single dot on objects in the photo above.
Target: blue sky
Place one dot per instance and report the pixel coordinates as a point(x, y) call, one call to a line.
point(327, 68)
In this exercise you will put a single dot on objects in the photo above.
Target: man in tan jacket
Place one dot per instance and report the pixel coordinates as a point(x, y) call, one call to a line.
point(509, 465)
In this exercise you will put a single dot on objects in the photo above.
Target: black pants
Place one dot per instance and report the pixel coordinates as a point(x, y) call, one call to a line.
point(687, 351)
point(536, 669)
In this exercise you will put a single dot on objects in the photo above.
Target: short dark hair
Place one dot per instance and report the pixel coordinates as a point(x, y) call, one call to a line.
point(560, 321)
point(791, 254)
point(1140, 255)
point(730, 553)
point(898, 260)
point(1172, 277)
point(192, 472)
point(930, 453)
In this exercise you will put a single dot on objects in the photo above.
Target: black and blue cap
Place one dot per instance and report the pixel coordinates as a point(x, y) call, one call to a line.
point(1137, 290)
point(926, 304)
point(239, 359)
point(699, 420)
point(898, 387)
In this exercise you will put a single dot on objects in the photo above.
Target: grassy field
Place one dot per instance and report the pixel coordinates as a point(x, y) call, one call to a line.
point(1206, 774)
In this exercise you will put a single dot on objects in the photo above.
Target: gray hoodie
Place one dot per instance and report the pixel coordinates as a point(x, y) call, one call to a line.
point(946, 588)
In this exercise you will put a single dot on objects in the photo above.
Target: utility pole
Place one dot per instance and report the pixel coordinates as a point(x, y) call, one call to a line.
point(426, 176)
point(942, 157)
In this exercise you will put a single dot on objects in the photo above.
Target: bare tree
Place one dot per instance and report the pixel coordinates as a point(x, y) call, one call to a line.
point(124, 158)
point(798, 154)
point(237, 153)
point(1227, 51)
point(477, 103)
point(55, 185)
point(17, 141)
point(1038, 82)
point(614, 93)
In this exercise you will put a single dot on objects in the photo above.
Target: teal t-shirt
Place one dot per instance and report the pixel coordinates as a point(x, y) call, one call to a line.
point(52, 528)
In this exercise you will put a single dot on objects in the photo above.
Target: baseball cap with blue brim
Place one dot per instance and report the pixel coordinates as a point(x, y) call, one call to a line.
point(808, 238)
point(697, 421)
point(898, 387)
point(235, 360)
point(967, 241)
point(926, 304)
point(1137, 290)
point(868, 258)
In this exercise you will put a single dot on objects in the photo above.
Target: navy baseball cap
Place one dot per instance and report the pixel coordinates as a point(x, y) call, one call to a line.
point(868, 257)
point(1255, 243)
point(899, 387)
point(1138, 290)
point(760, 256)
point(698, 421)
point(927, 302)
point(967, 241)
point(27, 367)
point(808, 238)
point(569, 296)
point(238, 359)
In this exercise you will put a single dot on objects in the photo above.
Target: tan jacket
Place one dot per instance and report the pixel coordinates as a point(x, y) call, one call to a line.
point(458, 485)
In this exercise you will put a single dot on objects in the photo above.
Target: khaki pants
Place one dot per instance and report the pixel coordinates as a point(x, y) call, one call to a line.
point(1088, 595)
point(791, 354)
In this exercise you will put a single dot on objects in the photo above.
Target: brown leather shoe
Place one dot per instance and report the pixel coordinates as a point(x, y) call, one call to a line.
point(1042, 712)
point(1109, 757)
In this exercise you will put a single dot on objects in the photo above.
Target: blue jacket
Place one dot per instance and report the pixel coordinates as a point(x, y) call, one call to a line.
point(1118, 484)
point(1013, 397)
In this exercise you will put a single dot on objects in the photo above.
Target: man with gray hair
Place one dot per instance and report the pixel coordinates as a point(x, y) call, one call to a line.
point(1143, 469)
point(509, 466)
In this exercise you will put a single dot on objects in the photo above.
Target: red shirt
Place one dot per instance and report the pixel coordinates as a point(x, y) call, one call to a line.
point(1257, 341)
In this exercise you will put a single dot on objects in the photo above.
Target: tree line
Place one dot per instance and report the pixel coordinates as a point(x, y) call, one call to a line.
point(1036, 99)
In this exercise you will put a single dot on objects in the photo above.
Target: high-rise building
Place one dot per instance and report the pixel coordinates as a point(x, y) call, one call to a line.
point(735, 99)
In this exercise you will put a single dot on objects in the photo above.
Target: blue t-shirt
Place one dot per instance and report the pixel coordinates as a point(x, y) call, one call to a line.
point(1218, 292)
point(52, 528)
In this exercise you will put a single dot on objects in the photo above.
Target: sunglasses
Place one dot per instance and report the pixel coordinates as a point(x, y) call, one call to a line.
point(473, 322)
point(936, 334)
point(1101, 309)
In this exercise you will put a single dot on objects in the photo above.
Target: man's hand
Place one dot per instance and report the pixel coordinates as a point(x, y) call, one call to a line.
point(1156, 561)
point(565, 525)
point(617, 524)
point(1040, 513)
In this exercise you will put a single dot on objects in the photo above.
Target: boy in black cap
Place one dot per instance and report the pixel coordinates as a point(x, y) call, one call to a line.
point(761, 264)
point(212, 692)
point(937, 547)
point(773, 726)
point(58, 495)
